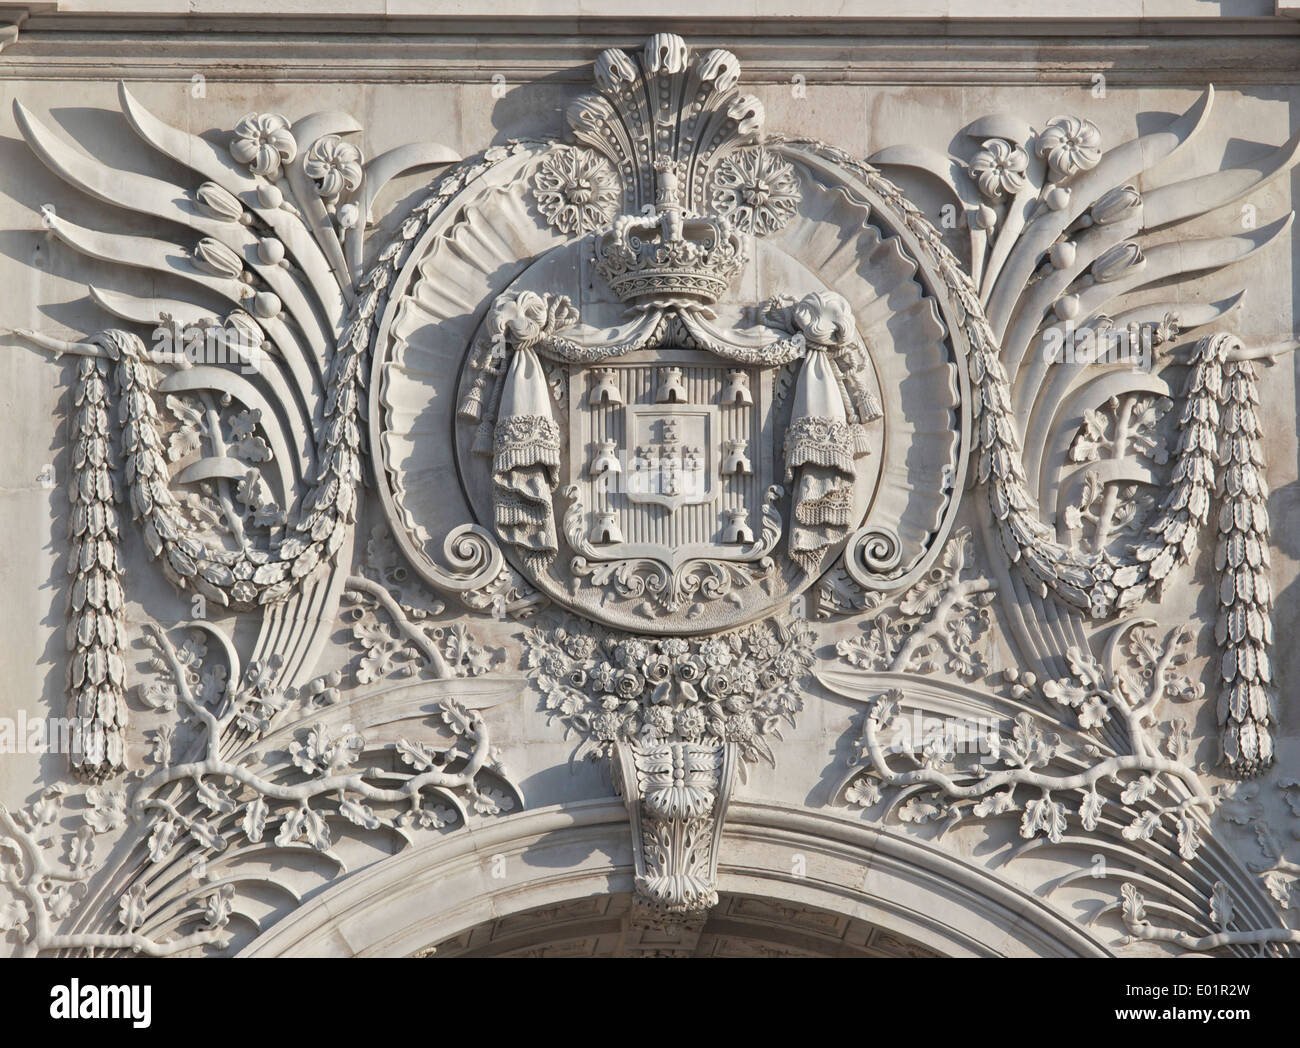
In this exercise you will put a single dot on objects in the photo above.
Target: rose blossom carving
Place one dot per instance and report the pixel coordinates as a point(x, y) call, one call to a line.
point(735, 687)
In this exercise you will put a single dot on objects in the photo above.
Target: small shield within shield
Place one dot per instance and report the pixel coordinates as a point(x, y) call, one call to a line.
point(668, 452)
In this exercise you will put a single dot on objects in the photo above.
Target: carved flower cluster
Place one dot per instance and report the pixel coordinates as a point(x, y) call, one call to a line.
point(734, 687)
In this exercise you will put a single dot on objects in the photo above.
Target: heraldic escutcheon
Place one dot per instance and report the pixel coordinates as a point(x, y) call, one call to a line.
point(671, 413)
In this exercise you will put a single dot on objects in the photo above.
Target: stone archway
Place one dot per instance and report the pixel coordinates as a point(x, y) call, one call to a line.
point(739, 926)
point(872, 891)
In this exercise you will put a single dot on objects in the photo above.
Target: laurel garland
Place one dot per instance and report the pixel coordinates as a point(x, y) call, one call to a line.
point(1244, 629)
point(95, 620)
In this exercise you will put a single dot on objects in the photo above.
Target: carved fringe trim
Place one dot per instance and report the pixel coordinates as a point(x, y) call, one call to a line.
point(525, 471)
point(833, 508)
point(820, 442)
point(526, 440)
point(514, 511)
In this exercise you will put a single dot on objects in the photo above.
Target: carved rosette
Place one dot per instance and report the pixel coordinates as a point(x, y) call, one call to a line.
point(576, 191)
point(756, 191)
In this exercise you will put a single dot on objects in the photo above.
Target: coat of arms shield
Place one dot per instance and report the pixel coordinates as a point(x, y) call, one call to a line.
point(669, 455)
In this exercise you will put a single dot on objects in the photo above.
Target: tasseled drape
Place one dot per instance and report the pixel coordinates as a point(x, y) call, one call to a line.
point(526, 460)
point(820, 447)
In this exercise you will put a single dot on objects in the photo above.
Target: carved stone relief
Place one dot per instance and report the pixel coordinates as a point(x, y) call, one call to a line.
point(681, 427)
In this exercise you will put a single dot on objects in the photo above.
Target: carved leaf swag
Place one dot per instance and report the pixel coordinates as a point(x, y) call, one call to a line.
point(613, 689)
point(237, 579)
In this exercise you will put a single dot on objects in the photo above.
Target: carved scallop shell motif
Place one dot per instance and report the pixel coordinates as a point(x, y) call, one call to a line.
point(632, 445)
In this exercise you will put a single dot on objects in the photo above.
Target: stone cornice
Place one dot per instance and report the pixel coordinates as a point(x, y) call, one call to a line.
point(1225, 53)
point(696, 12)
point(1140, 42)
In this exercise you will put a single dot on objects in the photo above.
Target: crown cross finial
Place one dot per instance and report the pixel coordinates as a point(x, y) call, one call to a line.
point(668, 198)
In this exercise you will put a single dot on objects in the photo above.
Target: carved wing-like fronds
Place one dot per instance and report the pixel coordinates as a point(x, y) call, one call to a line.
point(1064, 261)
point(260, 322)
point(1059, 230)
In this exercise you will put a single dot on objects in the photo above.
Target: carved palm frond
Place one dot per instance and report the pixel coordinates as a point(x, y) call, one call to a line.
point(263, 325)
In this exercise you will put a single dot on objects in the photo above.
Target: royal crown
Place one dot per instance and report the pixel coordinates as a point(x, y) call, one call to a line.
point(669, 256)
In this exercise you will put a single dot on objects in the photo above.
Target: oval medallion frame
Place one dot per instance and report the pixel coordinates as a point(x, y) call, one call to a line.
point(501, 235)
